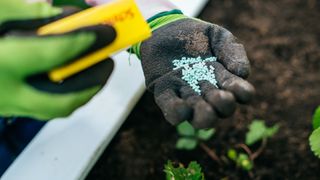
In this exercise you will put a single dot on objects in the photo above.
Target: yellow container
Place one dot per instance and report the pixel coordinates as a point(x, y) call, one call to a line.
point(123, 15)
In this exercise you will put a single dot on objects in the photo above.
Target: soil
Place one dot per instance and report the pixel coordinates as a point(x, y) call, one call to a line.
point(282, 39)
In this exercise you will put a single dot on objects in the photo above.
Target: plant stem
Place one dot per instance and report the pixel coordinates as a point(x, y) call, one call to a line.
point(246, 149)
point(211, 153)
point(256, 154)
point(260, 150)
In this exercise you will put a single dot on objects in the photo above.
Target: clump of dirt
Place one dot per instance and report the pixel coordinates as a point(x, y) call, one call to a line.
point(282, 39)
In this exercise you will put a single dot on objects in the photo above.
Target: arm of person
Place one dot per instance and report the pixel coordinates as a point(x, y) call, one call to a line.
point(25, 60)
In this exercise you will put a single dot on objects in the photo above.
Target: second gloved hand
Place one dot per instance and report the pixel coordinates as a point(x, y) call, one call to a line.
point(195, 69)
point(25, 60)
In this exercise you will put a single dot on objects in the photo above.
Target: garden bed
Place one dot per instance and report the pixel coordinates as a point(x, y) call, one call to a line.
point(282, 39)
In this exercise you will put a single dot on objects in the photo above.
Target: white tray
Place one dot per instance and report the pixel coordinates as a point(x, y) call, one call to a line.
point(68, 148)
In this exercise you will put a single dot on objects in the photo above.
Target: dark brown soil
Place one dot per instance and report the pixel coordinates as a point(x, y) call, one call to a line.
point(282, 39)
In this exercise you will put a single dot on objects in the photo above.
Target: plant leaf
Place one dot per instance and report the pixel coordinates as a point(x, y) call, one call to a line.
point(186, 129)
point(186, 143)
point(193, 172)
point(316, 118)
point(244, 162)
point(258, 131)
point(205, 134)
point(168, 169)
point(272, 130)
point(314, 141)
point(232, 154)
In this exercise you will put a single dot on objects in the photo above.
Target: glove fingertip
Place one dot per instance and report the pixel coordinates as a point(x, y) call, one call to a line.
point(177, 112)
point(204, 116)
point(245, 93)
point(240, 69)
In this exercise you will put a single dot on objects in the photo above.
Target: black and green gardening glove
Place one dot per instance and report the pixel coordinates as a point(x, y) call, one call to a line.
point(25, 59)
point(195, 69)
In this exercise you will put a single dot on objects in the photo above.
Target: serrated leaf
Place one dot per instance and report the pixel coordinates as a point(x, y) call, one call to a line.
point(186, 143)
point(258, 131)
point(314, 141)
point(205, 134)
point(316, 118)
point(186, 129)
point(168, 169)
point(193, 172)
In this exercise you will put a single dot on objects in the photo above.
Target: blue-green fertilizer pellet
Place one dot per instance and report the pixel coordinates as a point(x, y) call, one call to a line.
point(195, 70)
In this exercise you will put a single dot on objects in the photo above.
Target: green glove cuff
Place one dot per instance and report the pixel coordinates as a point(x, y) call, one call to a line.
point(157, 22)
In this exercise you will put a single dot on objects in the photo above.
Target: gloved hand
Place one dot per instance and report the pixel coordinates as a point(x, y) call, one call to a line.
point(195, 69)
point(25, 59)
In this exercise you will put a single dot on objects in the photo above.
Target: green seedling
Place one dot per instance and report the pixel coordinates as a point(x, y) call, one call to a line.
point(190, 137)
point(258, 131)
point(314, 138)
point(192, 172)
point(242, 160)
